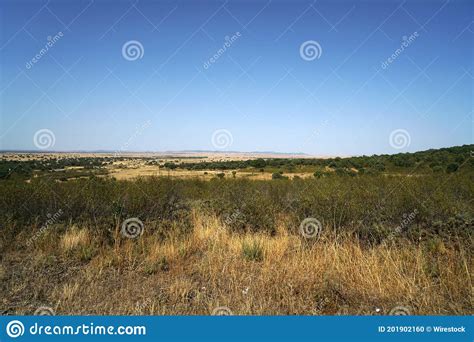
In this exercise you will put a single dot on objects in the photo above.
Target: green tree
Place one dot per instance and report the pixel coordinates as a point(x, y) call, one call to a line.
point(318, 174)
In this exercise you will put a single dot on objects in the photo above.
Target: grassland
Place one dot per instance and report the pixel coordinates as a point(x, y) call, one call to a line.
point(358, 235)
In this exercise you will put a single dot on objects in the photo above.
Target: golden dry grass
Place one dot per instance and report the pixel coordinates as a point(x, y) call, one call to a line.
point(74, 238)
point(209, 269)
point(144, 171)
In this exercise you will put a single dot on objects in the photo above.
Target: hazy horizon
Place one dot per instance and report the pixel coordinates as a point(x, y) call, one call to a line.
point(170, 152)
point(319, 78)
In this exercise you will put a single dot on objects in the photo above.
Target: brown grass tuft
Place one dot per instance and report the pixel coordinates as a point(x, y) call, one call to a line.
point(74, 238)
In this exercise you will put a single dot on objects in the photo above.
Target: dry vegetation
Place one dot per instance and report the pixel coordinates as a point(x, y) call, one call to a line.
point(212, 267)
point(236, 243)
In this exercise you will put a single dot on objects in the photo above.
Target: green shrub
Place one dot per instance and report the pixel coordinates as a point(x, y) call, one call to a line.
point(252, 251)
point(452, 167)
point(357, 204)
point(278, 175)
point(318, 174)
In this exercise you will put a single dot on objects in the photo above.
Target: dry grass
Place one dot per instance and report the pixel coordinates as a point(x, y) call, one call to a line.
point(74, 238)
point(144, 171)
point(210, 268)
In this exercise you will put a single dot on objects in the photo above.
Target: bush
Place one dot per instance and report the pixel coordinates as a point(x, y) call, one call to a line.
point(373, 235)
point(318, 174)
point(164, 205)
point(452, 167)
point(278, 175)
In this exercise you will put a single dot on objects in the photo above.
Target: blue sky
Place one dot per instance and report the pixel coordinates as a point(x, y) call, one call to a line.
point(263, 92)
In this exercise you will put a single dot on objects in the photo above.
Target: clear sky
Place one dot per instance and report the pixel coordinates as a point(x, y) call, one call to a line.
point(264, 91)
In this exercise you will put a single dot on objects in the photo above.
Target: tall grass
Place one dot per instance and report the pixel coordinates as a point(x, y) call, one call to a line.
point(385, 242)
point(250, 273)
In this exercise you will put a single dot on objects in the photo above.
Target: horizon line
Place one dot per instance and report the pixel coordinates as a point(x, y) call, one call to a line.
point(119, 152)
